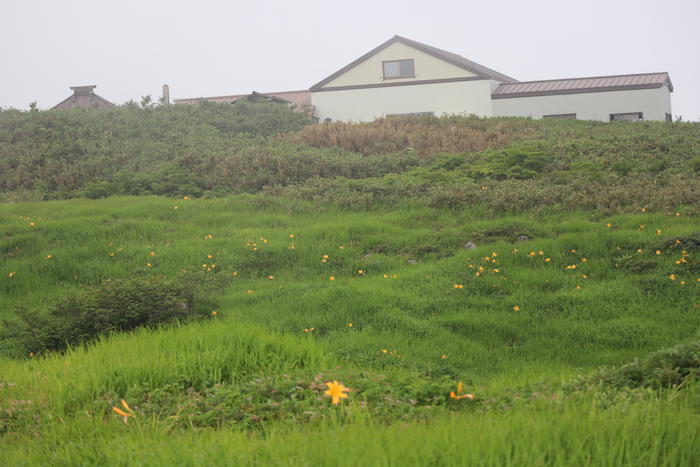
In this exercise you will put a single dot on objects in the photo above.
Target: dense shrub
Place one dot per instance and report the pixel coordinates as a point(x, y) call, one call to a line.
point(116, 306)
point(665, 368)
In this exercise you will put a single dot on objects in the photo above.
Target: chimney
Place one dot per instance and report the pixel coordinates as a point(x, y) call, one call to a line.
point(166, 94)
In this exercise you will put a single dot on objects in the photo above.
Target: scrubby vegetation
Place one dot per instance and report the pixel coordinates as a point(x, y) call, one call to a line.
point(488, 292)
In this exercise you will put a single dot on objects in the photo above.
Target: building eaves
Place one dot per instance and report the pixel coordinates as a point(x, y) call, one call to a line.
point(457, 60)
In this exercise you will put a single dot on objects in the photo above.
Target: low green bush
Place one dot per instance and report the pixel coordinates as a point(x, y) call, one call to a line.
point(116, 306)
point(666, 368)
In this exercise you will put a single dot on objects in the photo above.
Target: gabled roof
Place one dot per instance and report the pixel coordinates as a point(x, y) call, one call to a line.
point(449, 57)
point(582, 85)
point(84, 97)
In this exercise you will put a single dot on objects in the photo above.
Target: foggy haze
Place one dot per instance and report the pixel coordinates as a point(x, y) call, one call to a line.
point(209, 48)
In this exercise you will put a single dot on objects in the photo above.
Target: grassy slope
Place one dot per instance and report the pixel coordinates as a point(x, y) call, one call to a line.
point(559, 331)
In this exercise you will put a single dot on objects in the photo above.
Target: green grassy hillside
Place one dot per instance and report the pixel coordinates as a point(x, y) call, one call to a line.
point(554, 319)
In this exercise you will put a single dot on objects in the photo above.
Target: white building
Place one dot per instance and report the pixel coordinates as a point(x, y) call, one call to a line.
point(402, 76)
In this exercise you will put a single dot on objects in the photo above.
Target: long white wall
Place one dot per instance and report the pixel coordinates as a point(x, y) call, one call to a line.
point(363, 105)
point(653, 103)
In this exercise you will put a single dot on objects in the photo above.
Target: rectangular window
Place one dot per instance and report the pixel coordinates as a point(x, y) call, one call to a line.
point(629, 117)
point(561, 116)
point(399, 69)
point(669, 118)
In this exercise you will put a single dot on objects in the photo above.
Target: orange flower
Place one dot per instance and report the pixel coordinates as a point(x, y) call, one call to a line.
point(125, 415)
point(459, 394)
point(336, 391)
point(332, 278)
point(459, 286)
point(516, 308)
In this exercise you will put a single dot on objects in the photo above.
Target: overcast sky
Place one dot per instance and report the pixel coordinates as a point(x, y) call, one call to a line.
point(215, 47)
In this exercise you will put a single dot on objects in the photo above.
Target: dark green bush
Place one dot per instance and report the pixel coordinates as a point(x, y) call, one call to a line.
point(116, 306)
point(665, 368)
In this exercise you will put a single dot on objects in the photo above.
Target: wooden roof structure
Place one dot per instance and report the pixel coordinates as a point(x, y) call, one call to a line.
point(84, 97)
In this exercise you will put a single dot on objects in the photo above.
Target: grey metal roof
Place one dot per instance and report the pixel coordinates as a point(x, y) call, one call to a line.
point(582, 85)
point(457, 60)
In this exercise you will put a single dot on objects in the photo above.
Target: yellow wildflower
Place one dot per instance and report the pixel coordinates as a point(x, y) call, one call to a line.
point(336, 391)
point(149, 265)
point(349, 325)
point(10, 275)
point(210, 256)
point(214, 313)
point(309, 329)
point(672, 277)
point(658, 231)
point(186, 198)
point(516, 308)
point(332, 278)
point(459, 394)
point(658, 252)
point(547, 260)
point(443, 357)
point(459, 286)
point(125, 415)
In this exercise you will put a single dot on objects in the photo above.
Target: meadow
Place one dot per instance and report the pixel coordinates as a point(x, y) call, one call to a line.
point(469, 330)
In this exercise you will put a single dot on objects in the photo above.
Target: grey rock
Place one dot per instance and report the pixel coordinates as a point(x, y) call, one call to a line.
point(411, 261)
point(470, 245)
point(522, 238)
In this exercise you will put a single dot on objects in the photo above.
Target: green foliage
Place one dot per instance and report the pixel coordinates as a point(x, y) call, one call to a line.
point(116, 306)
point(520, 161)
point(678, 366)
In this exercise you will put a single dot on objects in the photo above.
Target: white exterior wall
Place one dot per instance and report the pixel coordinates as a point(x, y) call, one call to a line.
point(364, 105)
point(653, 103)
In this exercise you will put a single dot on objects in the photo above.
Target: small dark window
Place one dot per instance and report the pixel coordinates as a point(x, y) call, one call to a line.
point(561, 116)
point(669, 118)
point(399, 69)
point(628, 117)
